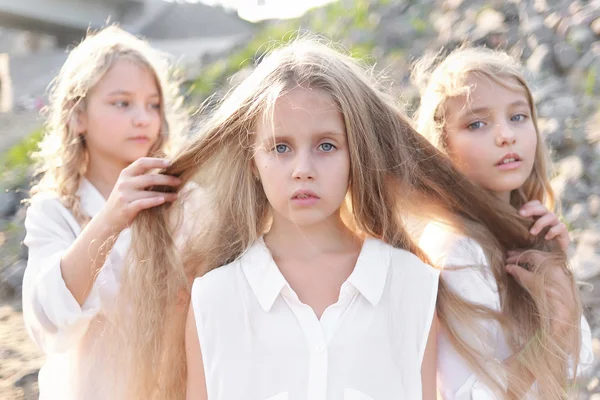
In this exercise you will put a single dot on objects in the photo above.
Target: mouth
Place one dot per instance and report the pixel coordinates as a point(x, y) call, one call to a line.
point(304, 194)
point(139, 139)
point(305, 198)
point(509, 159)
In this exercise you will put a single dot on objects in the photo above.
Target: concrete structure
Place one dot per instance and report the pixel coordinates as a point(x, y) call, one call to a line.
point(68, 20)
point(6, 93)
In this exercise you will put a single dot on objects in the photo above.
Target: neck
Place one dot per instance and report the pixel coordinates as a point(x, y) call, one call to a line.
point(504, 196)
point(308, 241)
point(103, 174)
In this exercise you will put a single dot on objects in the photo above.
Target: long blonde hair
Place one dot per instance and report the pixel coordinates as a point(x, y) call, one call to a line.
point(392, 169)
point(62, 158)
point(525, 320)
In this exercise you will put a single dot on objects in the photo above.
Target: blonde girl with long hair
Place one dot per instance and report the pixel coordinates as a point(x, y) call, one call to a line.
point(511, 317)
point(310, 284)
point(113, 114)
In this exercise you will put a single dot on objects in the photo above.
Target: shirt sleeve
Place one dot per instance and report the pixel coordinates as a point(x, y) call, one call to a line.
point(466, 272)
point(586, 354)
point(54, 319)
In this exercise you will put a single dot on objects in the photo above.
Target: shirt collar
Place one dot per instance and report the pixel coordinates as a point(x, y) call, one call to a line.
point(368, 277)
point(262, 274)
point(371, 270)
point(90, 198)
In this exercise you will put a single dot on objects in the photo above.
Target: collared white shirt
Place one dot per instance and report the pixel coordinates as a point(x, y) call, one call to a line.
point(476, 283)
point(70, 335)
point(260, 342)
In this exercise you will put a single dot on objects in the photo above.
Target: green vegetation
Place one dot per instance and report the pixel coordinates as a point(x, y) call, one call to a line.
point(335, 21)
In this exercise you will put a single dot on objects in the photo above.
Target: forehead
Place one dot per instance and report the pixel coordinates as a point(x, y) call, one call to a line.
point(129, 76)
point(486, 92)
point(302, 110)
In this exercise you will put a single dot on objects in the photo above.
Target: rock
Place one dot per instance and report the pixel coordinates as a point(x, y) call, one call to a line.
point(11, 278)
point(578, 216)
point(560, 108)
point(586, 261)
point(566, 56)
point(581, 36)
point(595, 26)
point(552, 130)
point(542, 60)
point(593, 203)
point(488, 21)
point(9, 203)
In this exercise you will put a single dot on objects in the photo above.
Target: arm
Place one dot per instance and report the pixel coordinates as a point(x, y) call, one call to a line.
point(196, 383)
point(429, 366)
point(83, 259)
point(52, 316)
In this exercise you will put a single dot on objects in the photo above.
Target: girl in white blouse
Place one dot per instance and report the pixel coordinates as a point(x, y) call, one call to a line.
point(512, 319)
point(111, 107)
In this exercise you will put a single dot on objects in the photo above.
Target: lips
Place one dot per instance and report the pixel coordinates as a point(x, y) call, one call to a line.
point(508, 159)
point(304, 194)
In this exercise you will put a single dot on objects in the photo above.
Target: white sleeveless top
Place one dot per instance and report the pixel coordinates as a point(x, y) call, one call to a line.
point(260, 342)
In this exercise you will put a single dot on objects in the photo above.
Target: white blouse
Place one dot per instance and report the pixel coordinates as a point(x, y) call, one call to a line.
point(456, 380)
point(68, 334)
point(260, 342)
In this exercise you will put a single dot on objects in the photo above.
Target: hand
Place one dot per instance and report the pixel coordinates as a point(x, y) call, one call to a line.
point(546, 219)
point(557, 288)
point(129, 196)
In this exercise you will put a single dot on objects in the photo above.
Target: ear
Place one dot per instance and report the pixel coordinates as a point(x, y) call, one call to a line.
point(254, 170)
point(79, 121)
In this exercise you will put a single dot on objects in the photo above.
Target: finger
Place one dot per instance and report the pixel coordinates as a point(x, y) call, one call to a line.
point(522, 276)
point(144, 164)
point(530, 209)
point(557, 230)
point(529, 257)
point(143, 204)
point(148, 180)
point(146, 194)
point(547, 220)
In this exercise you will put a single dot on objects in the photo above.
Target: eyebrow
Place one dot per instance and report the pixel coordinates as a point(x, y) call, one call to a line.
point(470, 111)
point(288, 138)
point(128, 93)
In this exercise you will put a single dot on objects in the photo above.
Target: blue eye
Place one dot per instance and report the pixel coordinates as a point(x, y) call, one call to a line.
point(475, 125)
point(281, 148)
point(326, 147)
point(518, 118)
point(121, 104)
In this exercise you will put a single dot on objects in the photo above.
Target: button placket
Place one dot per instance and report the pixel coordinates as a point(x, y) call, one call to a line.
point(317, 346)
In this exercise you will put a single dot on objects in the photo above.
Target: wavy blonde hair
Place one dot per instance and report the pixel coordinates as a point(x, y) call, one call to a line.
point(524, 319)
point(62, 156)
point(393, 169)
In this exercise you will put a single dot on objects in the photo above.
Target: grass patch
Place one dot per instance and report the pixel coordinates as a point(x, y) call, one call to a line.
point(19, 156)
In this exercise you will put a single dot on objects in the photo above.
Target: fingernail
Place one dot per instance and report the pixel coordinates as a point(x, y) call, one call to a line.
point(166, 163)
point(533, 231)
point(522, 212)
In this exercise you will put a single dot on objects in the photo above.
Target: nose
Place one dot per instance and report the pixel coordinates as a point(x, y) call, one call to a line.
point(505, 134)
point(141, 116)
point(304, 168)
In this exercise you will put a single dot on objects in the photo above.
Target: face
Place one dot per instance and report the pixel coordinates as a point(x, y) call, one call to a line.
point(490, 135)
point(302, 158)
point(122, 119)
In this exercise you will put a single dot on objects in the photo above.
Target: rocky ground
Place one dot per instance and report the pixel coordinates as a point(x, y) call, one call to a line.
point(557, 40)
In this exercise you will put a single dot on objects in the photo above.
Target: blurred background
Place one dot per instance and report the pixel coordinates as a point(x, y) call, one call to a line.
point(212, 41)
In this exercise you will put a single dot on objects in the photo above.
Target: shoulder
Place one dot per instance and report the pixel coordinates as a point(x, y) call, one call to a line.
point(407, 264)
point(46, 207)
point(219, 283)
point(447, 248)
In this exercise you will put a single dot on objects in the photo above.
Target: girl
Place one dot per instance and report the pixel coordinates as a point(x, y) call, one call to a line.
point(112, 111)
point(510, 326)
point(310, 288)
